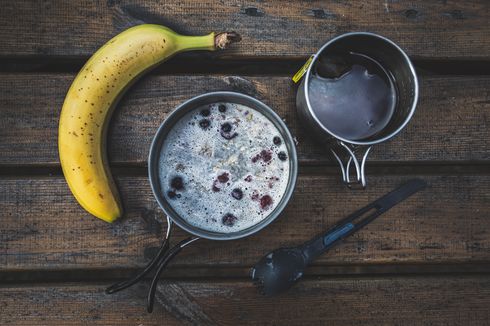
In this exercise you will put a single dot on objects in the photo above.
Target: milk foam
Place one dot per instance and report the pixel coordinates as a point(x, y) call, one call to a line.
point(199, 155)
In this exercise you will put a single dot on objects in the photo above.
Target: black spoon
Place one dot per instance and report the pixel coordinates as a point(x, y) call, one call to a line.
point(280, 269)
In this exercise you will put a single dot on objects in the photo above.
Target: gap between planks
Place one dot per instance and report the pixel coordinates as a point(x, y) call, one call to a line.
point(241, 273)
point(328, 168)
point(195, 64)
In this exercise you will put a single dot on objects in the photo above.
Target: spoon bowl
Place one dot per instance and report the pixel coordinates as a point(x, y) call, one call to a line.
point(278, 270)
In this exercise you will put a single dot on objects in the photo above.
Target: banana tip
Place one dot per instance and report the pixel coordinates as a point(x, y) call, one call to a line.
point(224, 39)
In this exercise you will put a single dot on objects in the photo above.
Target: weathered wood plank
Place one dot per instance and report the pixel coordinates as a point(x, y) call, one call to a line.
point(43, 228)
point(365, 301)
point(451, 122)
point(431, 29)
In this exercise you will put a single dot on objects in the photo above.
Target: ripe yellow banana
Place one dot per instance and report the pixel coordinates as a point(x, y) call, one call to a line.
point(92, 97)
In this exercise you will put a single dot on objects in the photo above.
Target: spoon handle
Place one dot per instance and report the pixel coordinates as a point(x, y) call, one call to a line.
point(360, 218)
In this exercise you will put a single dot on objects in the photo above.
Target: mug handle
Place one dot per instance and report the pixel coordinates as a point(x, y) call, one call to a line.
point(360, 177)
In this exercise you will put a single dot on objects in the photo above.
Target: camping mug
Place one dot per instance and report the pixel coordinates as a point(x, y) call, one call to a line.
point(401, 72)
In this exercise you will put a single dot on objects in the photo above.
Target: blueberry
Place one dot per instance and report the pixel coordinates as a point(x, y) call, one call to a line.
point(228, 219)
point(277, 140)
point(224, 177)
point(282, 156)
point(177, 183)
point(227, 135)
point(237, 193)
point(226, 127)
point(222, 108)
point(266, 155)
point(204, 123)
point(205, 112)
point(215, 186)
point(265, 202)
point(171, 194)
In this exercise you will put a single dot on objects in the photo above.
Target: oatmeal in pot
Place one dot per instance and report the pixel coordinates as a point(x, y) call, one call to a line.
point(224, 167)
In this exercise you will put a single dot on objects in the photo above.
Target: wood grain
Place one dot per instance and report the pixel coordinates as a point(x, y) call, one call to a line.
point(451, 122)
point(43, 228)
point(429, 29)
point(445, 301)
point(45, 236)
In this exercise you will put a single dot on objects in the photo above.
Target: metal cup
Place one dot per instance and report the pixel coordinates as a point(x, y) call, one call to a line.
point(392, 58)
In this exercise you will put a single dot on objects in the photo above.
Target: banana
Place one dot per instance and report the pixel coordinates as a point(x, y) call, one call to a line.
point(94, 93)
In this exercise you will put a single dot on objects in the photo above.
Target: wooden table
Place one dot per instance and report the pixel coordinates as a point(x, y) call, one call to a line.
point(425, 262)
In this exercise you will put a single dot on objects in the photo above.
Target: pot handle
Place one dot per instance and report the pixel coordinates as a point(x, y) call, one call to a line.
point(161, 266)
point(360, 177)
point(162, 251)
point(160, 261)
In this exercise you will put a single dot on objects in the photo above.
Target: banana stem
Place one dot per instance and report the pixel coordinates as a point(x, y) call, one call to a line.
point(209, 42)
point(224, 39)
point(201, 42)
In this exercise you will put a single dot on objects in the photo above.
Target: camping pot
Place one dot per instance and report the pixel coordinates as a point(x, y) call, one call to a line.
point(210, 98)
point(165, 254)
point(401, 72)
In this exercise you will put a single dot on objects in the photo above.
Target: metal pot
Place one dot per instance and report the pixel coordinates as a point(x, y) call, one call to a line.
point(209, 98)
point(165, 254)
point(392, 58)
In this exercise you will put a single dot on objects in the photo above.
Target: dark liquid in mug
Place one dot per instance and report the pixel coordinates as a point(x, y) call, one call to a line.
point(358, 102)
